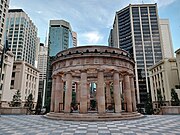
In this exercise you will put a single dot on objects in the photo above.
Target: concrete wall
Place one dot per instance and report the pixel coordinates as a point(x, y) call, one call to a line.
point(13, 110)
point(170, 110)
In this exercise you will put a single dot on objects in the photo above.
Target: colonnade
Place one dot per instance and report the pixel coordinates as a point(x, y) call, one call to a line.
point(103, 93)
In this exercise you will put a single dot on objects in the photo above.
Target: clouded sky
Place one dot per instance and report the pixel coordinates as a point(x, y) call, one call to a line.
point(92, 19)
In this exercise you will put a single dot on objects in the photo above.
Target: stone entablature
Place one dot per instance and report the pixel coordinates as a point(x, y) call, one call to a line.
point(101, 65)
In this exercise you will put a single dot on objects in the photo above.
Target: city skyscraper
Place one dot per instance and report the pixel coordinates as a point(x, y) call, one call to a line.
point(42, 67)
point(22, 36)
point(136, 30)
point(74, 34)
point(110, 39)
point(4, 5)
point(6, 57)
point(166, 40)
point(60, 38)
point(22, 41)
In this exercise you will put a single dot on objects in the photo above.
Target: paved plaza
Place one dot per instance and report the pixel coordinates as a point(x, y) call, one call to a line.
point(34, 124)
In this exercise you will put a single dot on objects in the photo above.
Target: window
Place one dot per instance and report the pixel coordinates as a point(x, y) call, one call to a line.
point(12, 82)
point(13, 74)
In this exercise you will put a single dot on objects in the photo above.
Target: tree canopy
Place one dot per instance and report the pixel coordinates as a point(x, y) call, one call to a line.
point(16, 101)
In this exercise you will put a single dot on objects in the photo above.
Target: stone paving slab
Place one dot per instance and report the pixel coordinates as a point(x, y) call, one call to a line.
point(38, 125)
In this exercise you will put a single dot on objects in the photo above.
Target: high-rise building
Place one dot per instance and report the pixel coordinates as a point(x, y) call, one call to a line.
point(22, 35)
point(74, 34)
point(60, 38)
point(110, 39)
point(166, 40)
point(42, 67)
point(37, 53)
point(6, 57)
point(136, 30)
point(4, 5)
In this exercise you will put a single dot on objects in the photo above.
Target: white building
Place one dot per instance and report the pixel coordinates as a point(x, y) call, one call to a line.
point(22, 35)
point(5, 72)
point(178, 61)
point(4, 5)
point(6, 75)
point(164, 77)
point(24, 78)
point(166, 40)
point(42, 67)
point(74, 35)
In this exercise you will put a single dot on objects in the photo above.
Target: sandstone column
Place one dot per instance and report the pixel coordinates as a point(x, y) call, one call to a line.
point(57, 94)
point(133, 95)
point(83, 92)
point(127, 92)
point(101, 92)
point(53, 93)
point(117, 97)
point(68, 93)
point(108, 94)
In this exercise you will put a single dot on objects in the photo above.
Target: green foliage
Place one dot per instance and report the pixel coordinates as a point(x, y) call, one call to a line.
point(16, 101)
point(39, 105)
point(159, 97)
point(177, 86)
point(148, 104)
point(29, 102)
point(174, 98)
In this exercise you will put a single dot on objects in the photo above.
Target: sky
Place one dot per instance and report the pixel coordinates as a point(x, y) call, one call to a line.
point(92, 19)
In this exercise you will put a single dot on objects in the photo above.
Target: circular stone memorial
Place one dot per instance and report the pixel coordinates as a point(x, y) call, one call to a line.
point(93, 83)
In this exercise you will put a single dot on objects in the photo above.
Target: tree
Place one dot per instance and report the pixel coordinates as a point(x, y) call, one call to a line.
point(29, 102)
point(16, 101)
point(174, 98)
point(148, 104)
point(159, 97)
point(38, 105)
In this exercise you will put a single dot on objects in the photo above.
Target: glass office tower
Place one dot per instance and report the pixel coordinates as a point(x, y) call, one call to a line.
point(22, 36)
point(60, 38)
point(136, 30)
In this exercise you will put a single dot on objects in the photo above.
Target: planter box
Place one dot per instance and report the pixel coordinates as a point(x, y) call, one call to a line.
point(13, 110)
point(170, 110)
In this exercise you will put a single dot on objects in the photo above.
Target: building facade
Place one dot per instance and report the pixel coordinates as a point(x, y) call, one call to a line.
point(24, 78)
point(178, 61)
point(74, 34)
point(163, 77)
point(136, 30)
point(6, 72)
point(22, 36)
point(4, 6)
point(110, 38)
point(42, 67)
point(60, 38)
point(6, 58)
point(166, 40)
point(102, 65)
